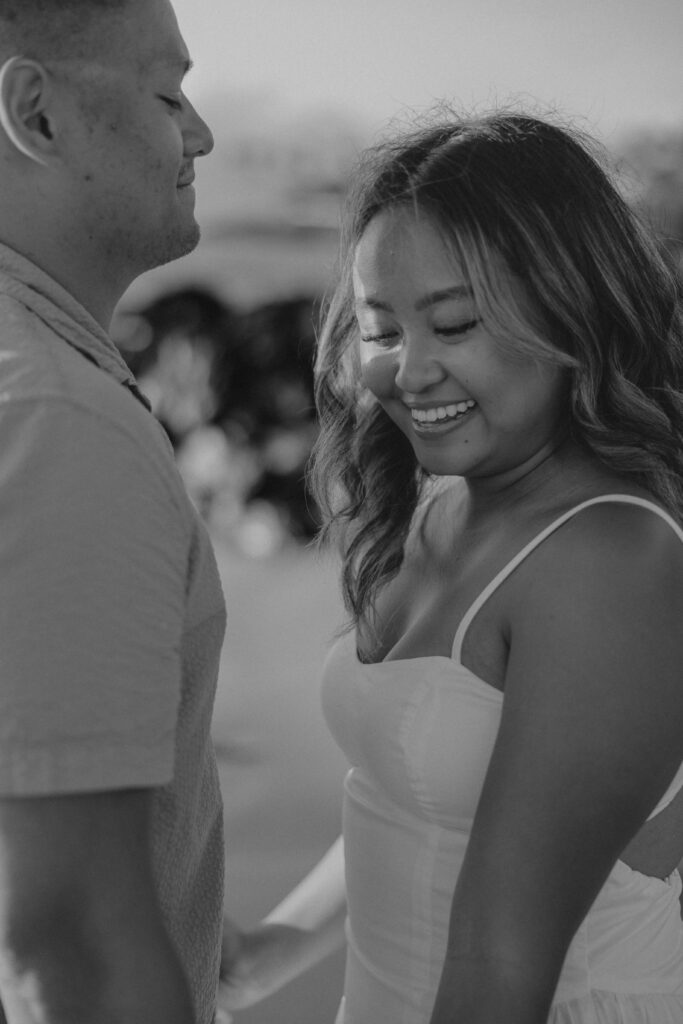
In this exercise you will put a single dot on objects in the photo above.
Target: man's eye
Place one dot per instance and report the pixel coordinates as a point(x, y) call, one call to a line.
point(172, 102)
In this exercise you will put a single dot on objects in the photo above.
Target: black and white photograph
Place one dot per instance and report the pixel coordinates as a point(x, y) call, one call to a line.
point(341, 512)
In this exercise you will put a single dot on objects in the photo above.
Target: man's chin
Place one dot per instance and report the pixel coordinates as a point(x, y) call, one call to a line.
point(177, 247)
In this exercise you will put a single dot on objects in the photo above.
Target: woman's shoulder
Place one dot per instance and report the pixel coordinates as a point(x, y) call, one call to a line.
point(622, 522)
point(601, 599)
point(609, 544)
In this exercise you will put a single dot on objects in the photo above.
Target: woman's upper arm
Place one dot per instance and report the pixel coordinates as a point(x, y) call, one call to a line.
point(591, 734)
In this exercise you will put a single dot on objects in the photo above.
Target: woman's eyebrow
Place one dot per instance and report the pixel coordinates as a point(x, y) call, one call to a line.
point(458, 291)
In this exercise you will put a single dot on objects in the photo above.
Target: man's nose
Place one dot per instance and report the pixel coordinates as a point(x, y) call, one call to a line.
point(199, 139)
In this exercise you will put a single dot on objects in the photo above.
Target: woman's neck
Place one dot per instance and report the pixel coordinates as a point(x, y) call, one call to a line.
point(549, 477)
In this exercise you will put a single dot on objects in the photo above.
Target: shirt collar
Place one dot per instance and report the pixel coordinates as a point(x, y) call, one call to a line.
point(62, 313)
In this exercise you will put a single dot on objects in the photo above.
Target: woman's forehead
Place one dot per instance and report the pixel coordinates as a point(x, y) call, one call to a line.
point(405, 243)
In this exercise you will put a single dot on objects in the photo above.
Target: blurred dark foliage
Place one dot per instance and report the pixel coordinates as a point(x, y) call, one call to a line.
point(234, 391)
point(266, 392)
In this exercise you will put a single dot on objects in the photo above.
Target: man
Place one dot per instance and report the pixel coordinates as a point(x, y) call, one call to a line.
point(111, 612)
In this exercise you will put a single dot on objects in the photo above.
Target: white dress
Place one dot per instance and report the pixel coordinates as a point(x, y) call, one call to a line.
point(420, 733)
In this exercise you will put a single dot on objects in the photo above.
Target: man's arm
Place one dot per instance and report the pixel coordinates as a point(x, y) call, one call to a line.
point(81, 933)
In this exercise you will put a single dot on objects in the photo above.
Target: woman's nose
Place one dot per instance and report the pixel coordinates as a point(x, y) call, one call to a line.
point(417, 367)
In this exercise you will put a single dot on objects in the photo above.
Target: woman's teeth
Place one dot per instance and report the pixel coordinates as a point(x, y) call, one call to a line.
point(442, 412)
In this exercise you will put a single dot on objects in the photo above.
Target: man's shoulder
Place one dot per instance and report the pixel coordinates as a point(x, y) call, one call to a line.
point(22, 339)
point(38, 367)
point(36, 362)
point(57, 404)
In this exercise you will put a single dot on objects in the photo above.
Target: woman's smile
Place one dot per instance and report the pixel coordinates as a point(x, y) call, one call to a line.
point(430, 419)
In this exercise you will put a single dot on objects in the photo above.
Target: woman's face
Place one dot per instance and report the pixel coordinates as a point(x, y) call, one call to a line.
point(469, 405)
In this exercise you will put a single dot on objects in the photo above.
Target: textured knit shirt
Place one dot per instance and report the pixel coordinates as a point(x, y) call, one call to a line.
point(111, 610)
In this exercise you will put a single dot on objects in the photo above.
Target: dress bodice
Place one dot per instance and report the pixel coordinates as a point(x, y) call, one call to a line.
point(422, 728)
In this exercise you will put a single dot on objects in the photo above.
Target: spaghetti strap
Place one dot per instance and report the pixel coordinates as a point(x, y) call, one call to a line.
point(626, 499)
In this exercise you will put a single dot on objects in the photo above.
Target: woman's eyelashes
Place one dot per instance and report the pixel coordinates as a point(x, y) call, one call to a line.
point(457, 329)
point(444, 330)
point(379, 338)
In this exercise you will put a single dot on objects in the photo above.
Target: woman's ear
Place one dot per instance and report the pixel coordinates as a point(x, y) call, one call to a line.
point(25, 89)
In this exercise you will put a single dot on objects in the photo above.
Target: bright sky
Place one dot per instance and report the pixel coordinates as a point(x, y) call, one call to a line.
point(611, 63)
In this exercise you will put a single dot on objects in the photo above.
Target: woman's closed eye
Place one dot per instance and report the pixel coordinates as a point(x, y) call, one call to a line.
point(389, 337)
point(380, 338)
point(455, 330)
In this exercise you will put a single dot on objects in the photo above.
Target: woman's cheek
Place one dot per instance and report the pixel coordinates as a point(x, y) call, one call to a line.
point(378, 373)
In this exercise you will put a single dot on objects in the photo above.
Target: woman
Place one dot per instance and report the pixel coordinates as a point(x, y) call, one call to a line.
point(500, 389)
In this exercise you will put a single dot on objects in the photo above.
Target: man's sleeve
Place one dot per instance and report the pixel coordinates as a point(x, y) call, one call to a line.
point(92, 585)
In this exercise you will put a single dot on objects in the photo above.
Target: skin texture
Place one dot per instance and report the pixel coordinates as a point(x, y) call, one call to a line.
point(134, 148)
point(97, 156)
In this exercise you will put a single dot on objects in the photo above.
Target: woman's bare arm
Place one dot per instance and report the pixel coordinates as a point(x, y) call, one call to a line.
point(591, 735)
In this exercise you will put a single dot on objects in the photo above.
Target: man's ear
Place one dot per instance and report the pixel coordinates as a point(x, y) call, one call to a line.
point(25, 88)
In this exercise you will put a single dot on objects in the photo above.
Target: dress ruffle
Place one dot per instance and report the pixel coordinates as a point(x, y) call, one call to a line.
point(609, 1008)
point(619, 1008)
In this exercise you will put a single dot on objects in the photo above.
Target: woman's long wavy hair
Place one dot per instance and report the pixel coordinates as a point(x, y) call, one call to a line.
point(513, 197)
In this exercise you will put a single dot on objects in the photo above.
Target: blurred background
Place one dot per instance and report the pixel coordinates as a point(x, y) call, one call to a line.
point(222, 341)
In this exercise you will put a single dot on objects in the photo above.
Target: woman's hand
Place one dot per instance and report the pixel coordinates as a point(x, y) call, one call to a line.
point(306, 927)
point(258, 962)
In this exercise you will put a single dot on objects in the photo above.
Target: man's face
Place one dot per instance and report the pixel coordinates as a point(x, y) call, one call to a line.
point(133, 140)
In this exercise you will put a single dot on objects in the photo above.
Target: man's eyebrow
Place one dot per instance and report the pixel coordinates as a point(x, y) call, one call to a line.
point(458, 291)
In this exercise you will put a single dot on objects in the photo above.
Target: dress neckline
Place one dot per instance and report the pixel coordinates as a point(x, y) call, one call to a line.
point(455, 658)
point(398, 663)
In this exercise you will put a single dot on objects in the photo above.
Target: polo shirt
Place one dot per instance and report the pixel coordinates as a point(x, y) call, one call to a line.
point(111, 610)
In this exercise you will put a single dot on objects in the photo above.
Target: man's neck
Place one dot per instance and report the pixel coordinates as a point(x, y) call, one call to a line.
point(95, 288)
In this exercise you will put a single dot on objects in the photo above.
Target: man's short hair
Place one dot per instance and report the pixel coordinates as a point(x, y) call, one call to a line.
point(41, 29)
